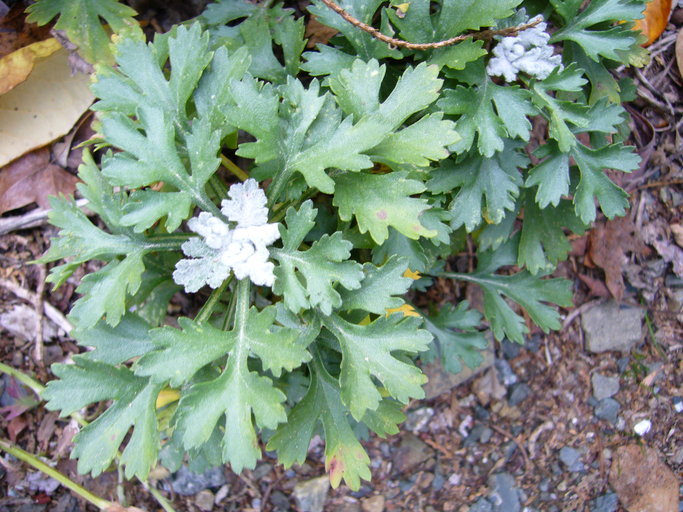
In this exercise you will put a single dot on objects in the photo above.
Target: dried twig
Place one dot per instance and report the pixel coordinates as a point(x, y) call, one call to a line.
point(484, 34)
point(32, 219)
point(50, 311)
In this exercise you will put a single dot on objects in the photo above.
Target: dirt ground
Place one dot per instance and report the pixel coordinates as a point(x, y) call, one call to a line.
point(533, 416)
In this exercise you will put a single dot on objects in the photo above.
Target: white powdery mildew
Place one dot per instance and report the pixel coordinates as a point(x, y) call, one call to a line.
point(221, 249)
point(528, 52)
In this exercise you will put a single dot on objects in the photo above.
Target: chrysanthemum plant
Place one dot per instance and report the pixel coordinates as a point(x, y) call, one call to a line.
point(298, 195)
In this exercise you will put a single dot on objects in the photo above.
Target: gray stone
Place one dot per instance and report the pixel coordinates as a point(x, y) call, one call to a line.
point(505, 373)
point(189, 483)
point(418, 419)
point(485, 435)
point(571, 458)
point(622, 363)
point(441, 381)
point(279, 500)
point(605, 503)
point(609, 326)
point(504, 493)
point(519, 393)
point(310, 495)
point(204, 500)
point(481, 505)
point(533, 343)
point(608, 410)
point(603, 386)
point(510, 348)
point(411, 452)
point(544, 486)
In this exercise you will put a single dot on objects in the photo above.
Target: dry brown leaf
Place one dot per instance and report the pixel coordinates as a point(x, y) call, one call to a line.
point(43, 107)
point(316, 33)
point(31, 179)
point(596, 287)
point(17, 66)
point(654, 20)
point(679, 51)
point(608, 243)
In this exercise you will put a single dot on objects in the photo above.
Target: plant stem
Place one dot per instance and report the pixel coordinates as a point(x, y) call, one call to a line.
point(208, 307)
point(165, 504)
point(277, 185)
point(234, 168)
point(27, 381)
point(34, 461)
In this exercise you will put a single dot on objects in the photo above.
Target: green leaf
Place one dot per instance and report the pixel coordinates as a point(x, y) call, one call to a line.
point(181, 353)
point(307, 279)
point(82, 22)
point(113, 345)
point(380, 201)
point(105, 291)
point(368, 351)
point(543, 243)
point(457, 339)
point(561, 113)
point(594, 183)
point(345, 457)
point(422, 24)
point(495, 181)
point(458, 55)
point(364, 45)
point(527, 291)
point(238, 393)
point(475, 108)
point(551, 176)
point(97, 445)
point(593, 29)
point(379, 288)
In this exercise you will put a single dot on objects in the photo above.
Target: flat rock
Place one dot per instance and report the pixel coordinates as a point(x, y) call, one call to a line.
point(504, 493)
point(604, 386)
point(310, 495)
point(609, 326)
point(189, 483)
point(605, 503)
point(411, 452)
point(442, 381)
point(204, 500)
point(373, 504)
point(642, 481)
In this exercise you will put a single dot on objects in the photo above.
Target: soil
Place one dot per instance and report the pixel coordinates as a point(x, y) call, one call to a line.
point(441, 464)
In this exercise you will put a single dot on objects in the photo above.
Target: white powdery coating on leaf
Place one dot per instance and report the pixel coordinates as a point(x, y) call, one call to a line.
point(527, 52)
point(220, 250)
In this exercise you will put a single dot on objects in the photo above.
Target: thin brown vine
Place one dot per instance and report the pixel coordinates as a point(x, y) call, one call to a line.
point(484, 34)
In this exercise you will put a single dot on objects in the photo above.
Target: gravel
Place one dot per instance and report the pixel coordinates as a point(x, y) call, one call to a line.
point(189, 483)
point(518, 393)
point(605, 503)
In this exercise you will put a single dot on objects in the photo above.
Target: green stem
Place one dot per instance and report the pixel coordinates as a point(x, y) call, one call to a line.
point(165, 504)
point(27, 381)
point(208, 307)
point(34, 461)
point(234, 168)
point(277, 185)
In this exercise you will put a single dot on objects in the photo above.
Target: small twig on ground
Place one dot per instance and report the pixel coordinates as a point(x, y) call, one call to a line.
point(38, 304)
point(32, 219)
point(484, 34)
point(520, 446)
point(50, 311)
point(577, 311)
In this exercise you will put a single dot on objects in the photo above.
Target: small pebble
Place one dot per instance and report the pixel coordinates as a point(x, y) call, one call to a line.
point(507, 376)
point(605, 503)
point(642, 427)
point(678, 403)
point(604, 386)
point(607, 409)
point(571, 458)
point(519, 392)
point(510, 349)
point(622, 363)
point(204, 500)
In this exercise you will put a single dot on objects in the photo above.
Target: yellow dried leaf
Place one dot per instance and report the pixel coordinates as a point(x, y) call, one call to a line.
point(43, 107)
point(167, 396)
point(17, 66)
point(412, 274)
point(406, 309)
